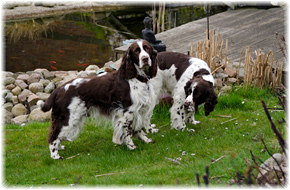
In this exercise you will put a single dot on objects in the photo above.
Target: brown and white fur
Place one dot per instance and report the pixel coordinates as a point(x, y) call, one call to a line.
point(190, 83)
point(125, 96)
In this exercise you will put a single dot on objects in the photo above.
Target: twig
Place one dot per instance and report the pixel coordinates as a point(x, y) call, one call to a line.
point(228, 116)
point(197, 179)
point(278, 135)
point(228, 120)
point(99, 141)
point(108, 174)
point(173, 160)
point(217, 159)
point(217, 69)
point(71, 157)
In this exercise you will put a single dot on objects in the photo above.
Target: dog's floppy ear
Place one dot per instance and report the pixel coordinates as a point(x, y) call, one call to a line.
point(210, 102)
point(127, 69)
point(154, 66)
point(186, 87)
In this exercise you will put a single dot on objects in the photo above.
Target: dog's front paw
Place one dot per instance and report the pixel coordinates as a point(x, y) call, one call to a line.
point(131, 146)
point(61, 147)
point(195, 122)
point(151, 129)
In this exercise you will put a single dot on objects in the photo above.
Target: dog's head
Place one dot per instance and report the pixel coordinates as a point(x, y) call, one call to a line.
point(198, 91)
point(139, 59)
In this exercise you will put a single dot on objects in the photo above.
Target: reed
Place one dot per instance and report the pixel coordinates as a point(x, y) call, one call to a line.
point(211, 51)
point(261, 71)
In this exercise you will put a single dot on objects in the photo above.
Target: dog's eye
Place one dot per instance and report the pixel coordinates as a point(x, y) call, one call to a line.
point(146, 48)
point(137, 50)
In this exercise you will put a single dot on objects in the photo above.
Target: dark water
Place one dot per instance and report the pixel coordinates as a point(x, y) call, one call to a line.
point(74, 41)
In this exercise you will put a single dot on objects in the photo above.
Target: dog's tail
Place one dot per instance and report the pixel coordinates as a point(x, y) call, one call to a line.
point(47, 105)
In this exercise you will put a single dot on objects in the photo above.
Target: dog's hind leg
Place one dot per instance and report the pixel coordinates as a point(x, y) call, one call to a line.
point(54, 147)
point(142, 136)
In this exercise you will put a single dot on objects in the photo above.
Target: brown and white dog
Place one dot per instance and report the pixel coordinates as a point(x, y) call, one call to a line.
point(124, 96)
point(190, 83)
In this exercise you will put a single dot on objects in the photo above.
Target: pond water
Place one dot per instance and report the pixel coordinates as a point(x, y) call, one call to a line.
point(76, 40)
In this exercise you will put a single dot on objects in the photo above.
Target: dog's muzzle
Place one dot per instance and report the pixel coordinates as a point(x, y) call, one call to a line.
point(189, 106)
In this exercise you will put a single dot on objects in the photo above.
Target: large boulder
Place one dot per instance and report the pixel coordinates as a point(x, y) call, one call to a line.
point(36, 87)
point(40, 116)
point(19, 109)
point(20, 119)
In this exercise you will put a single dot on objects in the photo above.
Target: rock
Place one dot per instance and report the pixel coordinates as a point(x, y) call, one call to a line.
point(7, 116)
point(21, 84)
point(231, 72)
point(270, 168)
point(8, 106)
point(16, 91)
point(91, 73)
point(41, 70)
point(20, 119)
point(56, 80)
point(221, 75)
point(42, 96)
point(32, 99)
point(232, 80)
point(226, 89)
point(8, 97)
point(36, 87)
point(10, 86)
point(108, 64)
point(218, 82)
point(7, 74)
point(15, 100)
point(49, 88)
point(33, 78)
point(82, 74)
point(40, 116)
point(48, 75)
point(23, 95)
point(117, 64)
point(5, 92)
point(8, 80)
point(45, 82)
point(19, 109)
point(23, 77)
point(92, 67)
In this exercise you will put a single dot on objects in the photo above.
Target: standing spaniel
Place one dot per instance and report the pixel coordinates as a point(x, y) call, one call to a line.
point(190, 83)
point(125, 96)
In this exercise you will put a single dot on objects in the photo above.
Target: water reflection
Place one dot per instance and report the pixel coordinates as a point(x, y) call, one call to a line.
point(74, 41)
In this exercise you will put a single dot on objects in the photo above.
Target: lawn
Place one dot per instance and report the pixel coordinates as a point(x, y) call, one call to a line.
point(229, 133)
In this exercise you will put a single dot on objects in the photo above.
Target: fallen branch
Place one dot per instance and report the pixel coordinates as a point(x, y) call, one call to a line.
point(173, 160)
point(108, 174)
point(71, 157)
point(227, 116)
point(228, 120)
point(214, 161)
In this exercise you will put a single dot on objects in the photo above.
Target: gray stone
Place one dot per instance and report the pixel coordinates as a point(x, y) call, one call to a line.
point(23, 95)
point(226, 89)
point(8, 80)
point(8, 97)
point(19, 109)
point(16, 91)
point(232, 80)
point(42, 96)
point(92, 67)
point(218, 82)
point(36, 87)
point(7, 116)
point(41, 70)
point(10, 86)
point(15, 100)
point(8, 106)
point(23, 77)
point(32, 99)
point(231, 72)
point(48, 75)
point(49, 88)
point(7, 74)
point(21, 84)
point(45, 82)
point(20, 119)
point(33, 78)
point(40, 116)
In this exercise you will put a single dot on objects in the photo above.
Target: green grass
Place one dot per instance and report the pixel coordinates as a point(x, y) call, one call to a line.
point(27, 159)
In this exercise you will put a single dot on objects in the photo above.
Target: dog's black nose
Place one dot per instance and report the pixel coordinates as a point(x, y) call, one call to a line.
point(145, 60)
